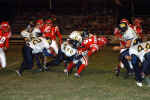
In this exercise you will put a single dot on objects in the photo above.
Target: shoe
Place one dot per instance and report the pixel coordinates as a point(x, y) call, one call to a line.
point(139, 84)
point(117, 72)
point(77, 75)
point(45, 68)
point(19, 73)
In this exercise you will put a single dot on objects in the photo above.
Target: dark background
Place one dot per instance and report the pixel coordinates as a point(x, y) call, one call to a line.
point(10, 8)
point(20, 12)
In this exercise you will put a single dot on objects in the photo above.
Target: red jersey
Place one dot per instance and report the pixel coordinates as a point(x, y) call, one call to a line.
point(89, 42)
point(101, 41)
point(51, 32)
point(4, 39)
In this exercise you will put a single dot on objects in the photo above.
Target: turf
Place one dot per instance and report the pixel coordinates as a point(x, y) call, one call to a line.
point(97, 82)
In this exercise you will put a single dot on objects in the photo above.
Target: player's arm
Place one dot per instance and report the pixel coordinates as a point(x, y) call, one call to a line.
point(128, 43)
point(117, 48)
point(6, 44)
point(59, 34)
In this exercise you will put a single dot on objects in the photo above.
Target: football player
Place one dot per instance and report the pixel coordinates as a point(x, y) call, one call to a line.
point(129, 38)
point(79, 60)
point(91, 44)
point(49, 30)
point(35, 46)
point(76, 35)
point(5, 34)
point(137, 27)
point(139, 56)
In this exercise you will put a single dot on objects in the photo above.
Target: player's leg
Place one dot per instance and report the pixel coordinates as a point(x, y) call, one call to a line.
point(59, 58)
point(54, 46)
point(27, 60)
point(125, 61)
point(38, 61)
point(2, 58)
point(137, 70)
point(92, 50)
point(146, 69)
point(83, 63)
point(69, 67)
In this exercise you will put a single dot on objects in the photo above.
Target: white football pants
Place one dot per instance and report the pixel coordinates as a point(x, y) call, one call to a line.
point(2, 58)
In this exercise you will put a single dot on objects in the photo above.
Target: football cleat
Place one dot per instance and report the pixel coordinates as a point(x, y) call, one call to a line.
point(139, 84)
point(77, 75)
point(45, 68)
point(117, 71)
point(18, 73)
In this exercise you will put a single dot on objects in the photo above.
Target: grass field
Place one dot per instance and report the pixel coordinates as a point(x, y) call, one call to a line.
point(97, 82)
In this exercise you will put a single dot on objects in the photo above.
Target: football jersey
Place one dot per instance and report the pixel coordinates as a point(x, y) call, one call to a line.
point(4, 39)
point(140, 50)
point(38, 44)
point(70, 51)
point(51, 32)
point(63, 46)
point(35, 32)
point(129, 34)
point(25, 34)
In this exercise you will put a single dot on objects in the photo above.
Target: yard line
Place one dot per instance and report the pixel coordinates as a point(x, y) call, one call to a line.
point(12, 64)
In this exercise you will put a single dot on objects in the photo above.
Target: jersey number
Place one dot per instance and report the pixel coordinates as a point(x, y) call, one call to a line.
point(36, 41)
point(140, 48)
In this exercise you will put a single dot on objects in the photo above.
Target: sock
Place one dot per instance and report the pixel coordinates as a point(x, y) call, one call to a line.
point(82, 66)
point(69, 67)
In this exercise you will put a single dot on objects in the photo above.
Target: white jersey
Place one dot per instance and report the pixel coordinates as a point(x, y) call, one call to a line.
point(29, 35)
point(76, 35)
point(35, 32)
point(25, 34)
point(140, 50)
point(63, 46)
point(129, 35)
point(38, 44)
point(70, 51)
point(67, 49)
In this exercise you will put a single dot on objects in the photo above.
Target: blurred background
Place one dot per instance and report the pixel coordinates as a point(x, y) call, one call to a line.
point(100, 15)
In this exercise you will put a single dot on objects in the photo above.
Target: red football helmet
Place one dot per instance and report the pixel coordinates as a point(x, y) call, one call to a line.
point(40, 22)
point(124, 21)
point(4, 25)
point(48, 21)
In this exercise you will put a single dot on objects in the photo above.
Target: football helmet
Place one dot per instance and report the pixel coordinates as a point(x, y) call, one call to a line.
point(123, 27)
point(40, 22)
point(4, 25)
point(85, 33)
point(124, 21)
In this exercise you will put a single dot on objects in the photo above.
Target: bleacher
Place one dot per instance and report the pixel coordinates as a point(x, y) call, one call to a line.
point(100, 24)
